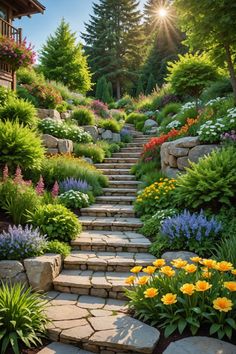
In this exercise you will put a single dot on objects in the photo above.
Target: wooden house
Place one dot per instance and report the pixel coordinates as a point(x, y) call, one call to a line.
point(10, 10)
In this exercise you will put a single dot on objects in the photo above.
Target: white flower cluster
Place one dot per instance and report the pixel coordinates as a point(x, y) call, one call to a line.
point(190, 105)
point(231, 113)
point(211, 132)
point(173, 124)
point(215, 100)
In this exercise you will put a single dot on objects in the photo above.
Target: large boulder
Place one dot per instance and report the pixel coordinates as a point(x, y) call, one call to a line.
point(65, 146)
point(65, 115)
point(200, 151)
point(107, 135)
point(187, 142)
point(150, 123)
point(48, 113)
point(116, 138)
point(13, 272)
point(92, 130)
point(49, 141)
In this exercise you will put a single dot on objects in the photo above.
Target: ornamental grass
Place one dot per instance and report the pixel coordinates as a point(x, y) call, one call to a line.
point(185, 295)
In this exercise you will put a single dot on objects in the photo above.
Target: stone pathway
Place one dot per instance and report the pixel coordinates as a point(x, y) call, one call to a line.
point(88, 307)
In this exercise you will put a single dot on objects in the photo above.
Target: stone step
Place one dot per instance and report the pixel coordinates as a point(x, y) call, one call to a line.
point(121, 177)
point(88, 282)
point(121, 160)
point(119, 191)
point(112, 171)
point(123, 184)
point(116, 199)
point(126, 155)
point(131, 150)
point(108, 210)
point(116, 166)
point(109, 223)
point(107, 261)
point(136, 145)
point(96, 325)
point(111, 241)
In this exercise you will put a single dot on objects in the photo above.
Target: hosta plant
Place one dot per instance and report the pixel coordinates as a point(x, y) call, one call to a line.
point(74, 199)
point(22, 317)
point(185, 295)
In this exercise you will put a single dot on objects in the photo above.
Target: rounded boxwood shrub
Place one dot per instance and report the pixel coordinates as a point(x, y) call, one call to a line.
point(20, 146)
point(110, 124)
point(93, 151)
point(83, 116)
point(57, 222)
point(58, 247)
point(19, 110)
point(135, 117)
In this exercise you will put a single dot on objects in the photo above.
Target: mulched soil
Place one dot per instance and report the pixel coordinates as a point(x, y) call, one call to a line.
point(4, 222)
point(24, 350)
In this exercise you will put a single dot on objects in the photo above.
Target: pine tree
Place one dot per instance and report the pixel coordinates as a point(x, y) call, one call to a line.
point(63, 60)
point(150, 85)
point(140, 89)
point(102, 90)
point(110, 90)
point(114, 41)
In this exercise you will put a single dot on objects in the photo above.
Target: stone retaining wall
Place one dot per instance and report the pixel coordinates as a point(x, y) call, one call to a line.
point(37, 272)
point(56, 146)
point(176, 155)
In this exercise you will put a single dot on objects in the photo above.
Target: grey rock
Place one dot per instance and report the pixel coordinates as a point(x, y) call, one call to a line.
point(116, 138)
point(92, 130)
point(178, 152)
point(52, 151)
point(65, 146)
point(183, 162)
point(150, 123)
point(171, 172)
point(107, 135)
point(185, 255)
point(65, 115)
point(101, 130)
point(187, 142)
point(88, 160)
point(48, 113)
point(172, 161)
point(165, 153)
point(13, 272)
point(200, 345)
point(49, 141)
point(200, 151)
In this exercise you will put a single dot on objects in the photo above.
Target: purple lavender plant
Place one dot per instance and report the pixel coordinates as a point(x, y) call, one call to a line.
point(75, 185)
point(19, 243)
point(229, 137)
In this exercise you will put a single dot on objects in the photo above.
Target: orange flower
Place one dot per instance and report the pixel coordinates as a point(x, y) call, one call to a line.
point(159, 263)
point(179, 263)
point(188, 289)
point(149, 270)
point(202, 285)
point(151, 292)
point(143, 280)
point(206, 274)
point(209, 263)
point(196, 259)
point(136, 269)
point(222, 304)
point(224, 266)
point(169, 299)
point(230, 285)
point(190, 268)
point(167, 270)
point(130, 280)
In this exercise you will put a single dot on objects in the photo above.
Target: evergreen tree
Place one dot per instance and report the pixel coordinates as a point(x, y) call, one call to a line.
point(140, 89)
point(150, 85)
point(102, 90)
point(110, 90)
point(114, 41)
point(63, 60)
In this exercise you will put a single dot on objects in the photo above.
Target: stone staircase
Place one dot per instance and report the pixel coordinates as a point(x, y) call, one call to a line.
point(88, 307)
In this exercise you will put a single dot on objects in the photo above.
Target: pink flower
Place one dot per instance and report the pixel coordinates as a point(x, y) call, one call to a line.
point(5, 174)
point(40, 186)
point(18, 176)
point(55, 190)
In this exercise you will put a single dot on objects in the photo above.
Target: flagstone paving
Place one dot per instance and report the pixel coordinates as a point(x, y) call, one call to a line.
point(87, 307)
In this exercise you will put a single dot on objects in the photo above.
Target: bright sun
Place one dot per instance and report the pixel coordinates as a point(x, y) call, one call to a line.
point(162, 13)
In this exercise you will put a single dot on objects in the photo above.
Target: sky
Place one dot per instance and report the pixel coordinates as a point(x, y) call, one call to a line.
point(37, 28)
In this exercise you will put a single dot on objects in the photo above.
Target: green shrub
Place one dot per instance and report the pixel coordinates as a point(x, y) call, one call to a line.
point(24, 94)
point(134, 117)
point(220, 88)
point(143, 169)
point(20, 146)
point(110, 124)
point(47, 96)
point(74, 199)
point(92, 151)
point(171, 109)
point(125, 102)
point(28, 76)
point(58, 247)
point(17, 200)
point(118, 115)
point(22, 318)
point(19, 110)
point(57, 222)
point(83, 116)
point(209, 183)
point(62, 107)
point(151, 226)
point(6, 95)
point(64, 91)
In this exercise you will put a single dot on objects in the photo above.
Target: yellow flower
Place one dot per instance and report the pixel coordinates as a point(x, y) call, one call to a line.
point(159, 263)
point(190, 268)
point(202, 285)
point(188, 289)
point(167, 270)
point(230, 285)
point(206, 274)
point(149, 270)
point(224, 266)
point(233, 271)
point(151, 292)
point(209, 263)
point(130, 280)
point(169, 299)
point(222, 304)
point(143, 280)
point(179, 263)
point(136, 269)
point(196, 259)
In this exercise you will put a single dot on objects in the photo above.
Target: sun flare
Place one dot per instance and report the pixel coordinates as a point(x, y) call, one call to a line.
point(162, 12)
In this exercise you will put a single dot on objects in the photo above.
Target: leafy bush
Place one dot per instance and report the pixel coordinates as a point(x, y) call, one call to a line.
point(110, 124)
point(226, 248)
point(171, 109)
point(185, 231)
point(64, 91)
point(19, 110)
point(178, 298)
point(74, 184)
point(15, 139)
point(6, 95)
point(191, 74)
point(22, 318)
point(168, 98)
point(125, 102)
point(58, 247)
point(57, 222)
point(47, 96)
point(125, 136)
point(28, 76)
point(63, 130)
point(109, 148)
point(19, 243)
point(93, 151)
point(24, 94)
point(151, 226)
point(83, 116)
point(74, 199)
point(134, 117)
point(118, 115)
point(17, 200)
point(100, 108)
point(211, 182)
point(220, 88)
point(158, 195)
